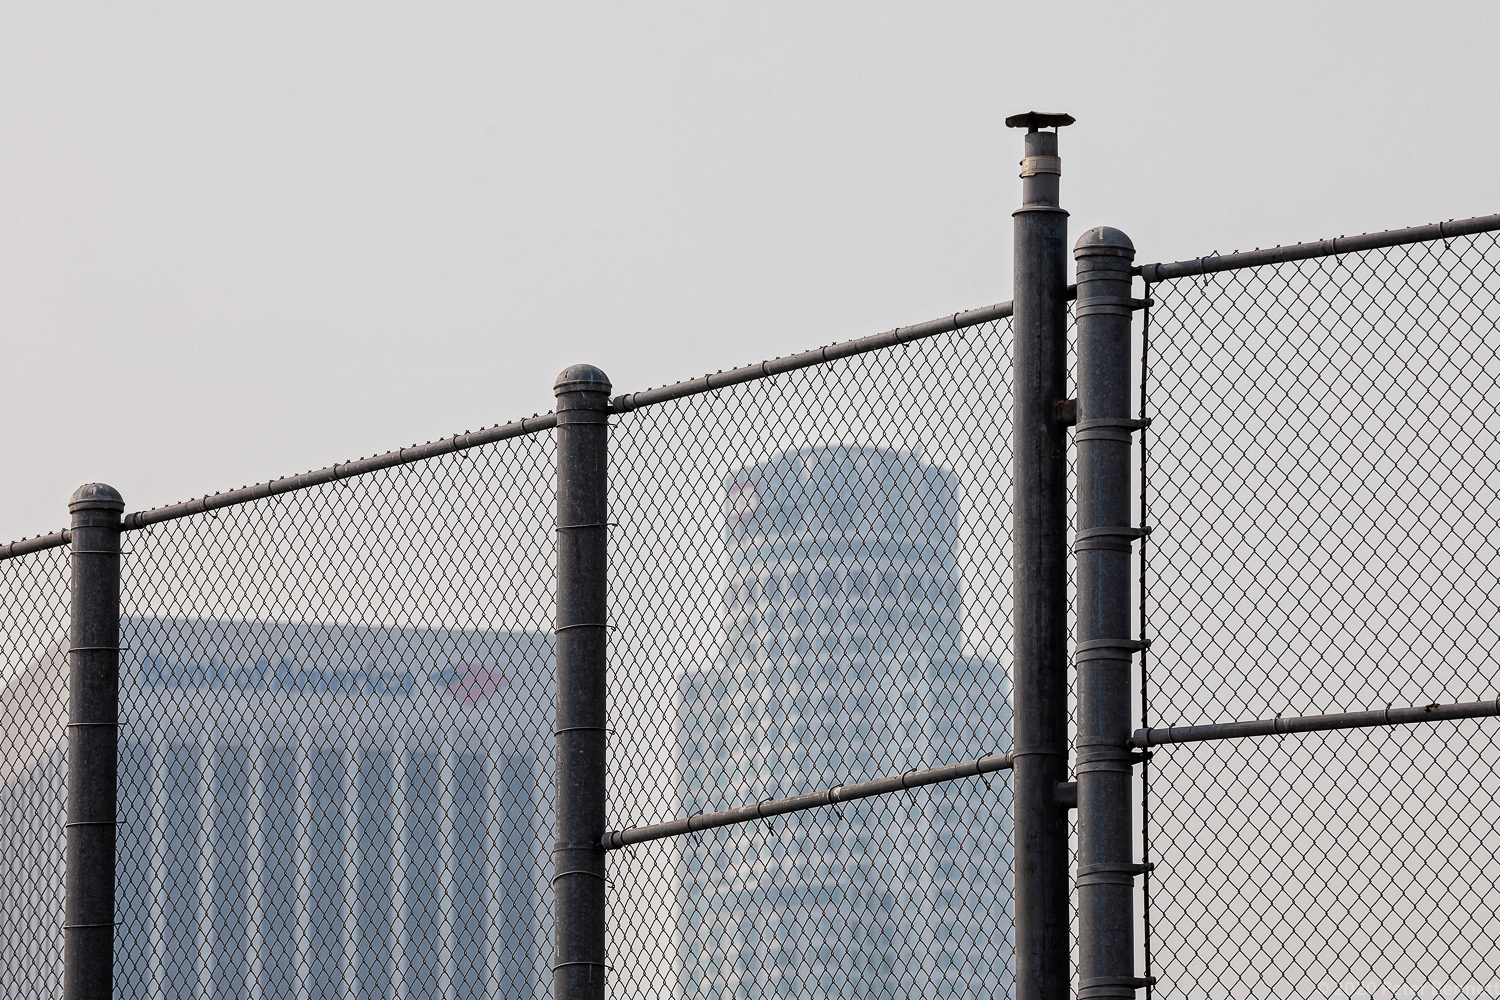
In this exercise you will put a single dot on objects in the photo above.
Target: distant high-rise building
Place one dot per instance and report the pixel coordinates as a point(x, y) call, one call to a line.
point(306, 811)
point(843, 660)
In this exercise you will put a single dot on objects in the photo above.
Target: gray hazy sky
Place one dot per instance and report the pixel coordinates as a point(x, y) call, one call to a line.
point(243, 240)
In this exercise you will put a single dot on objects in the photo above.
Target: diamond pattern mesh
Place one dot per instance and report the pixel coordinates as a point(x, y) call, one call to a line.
point(337, 704)
point(33, 770)
point(1323, 476)
point(811, 587)
point(335, 759)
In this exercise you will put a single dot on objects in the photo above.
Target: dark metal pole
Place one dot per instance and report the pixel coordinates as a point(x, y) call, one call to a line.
point(582, 560)
point(93, 739)
point(1040, 569)
point(1106, 921)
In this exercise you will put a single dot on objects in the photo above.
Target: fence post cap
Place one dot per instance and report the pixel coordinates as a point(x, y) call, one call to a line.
point(96, 496)
point(580, 378)
point(1104, 240)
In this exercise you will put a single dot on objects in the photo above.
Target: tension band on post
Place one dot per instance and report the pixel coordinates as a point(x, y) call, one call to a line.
point(1109, 428)
point(1108, 649)
point(1110, 873)
point(1105, 538)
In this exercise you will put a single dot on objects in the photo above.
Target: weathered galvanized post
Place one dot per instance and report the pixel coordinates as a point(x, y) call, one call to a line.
point(1040, 567)
point(93, 741)
point(578, 964)
point(1105, 882)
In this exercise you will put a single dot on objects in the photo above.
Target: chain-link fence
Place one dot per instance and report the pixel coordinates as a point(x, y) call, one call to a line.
point(33, 717)
point(337, 693)
point(812, 589)
point(1323, 471)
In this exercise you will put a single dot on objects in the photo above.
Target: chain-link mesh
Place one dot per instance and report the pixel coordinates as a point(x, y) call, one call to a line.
point(33, 770)
point(1323, 476)
point(335, 766)
point(337, 703)
point(811, 587)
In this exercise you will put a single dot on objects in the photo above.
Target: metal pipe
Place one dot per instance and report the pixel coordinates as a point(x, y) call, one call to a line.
point(817, 356)
point(1040, 574)
point(578, 965)
point(344, 470)
point(616, 839)
point(1106, 920)
point(1280, 726)
point(93, 741)
point(1321, 248)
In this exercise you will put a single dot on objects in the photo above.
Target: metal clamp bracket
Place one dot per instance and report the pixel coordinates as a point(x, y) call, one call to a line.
point(1108, 649)
point(1111, 873)
point(1109, 305)
point(1099, 987)
point(1109, 428)
point(1105, 538)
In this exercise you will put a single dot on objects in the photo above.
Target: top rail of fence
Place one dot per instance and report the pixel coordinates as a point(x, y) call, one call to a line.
point(1321, 248)
point(531, 425)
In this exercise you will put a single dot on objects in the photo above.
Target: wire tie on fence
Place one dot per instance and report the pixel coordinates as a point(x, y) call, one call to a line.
point(569, 729)
point(100, 552)
point(580, 871)
point(71, 927)
point(86, 649)
point(595, 524)
point(984, 776)
point(92, 822)
point(563, 628)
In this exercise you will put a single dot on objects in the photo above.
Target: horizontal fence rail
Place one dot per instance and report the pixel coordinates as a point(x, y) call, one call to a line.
point(1320, 248)
point(615, 839)
point(1280, 726)
point(533, 424)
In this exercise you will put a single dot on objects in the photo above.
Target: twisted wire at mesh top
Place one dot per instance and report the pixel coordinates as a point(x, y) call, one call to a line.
point(33, 770)
point(810, 587)
point(337, 712)
point(1324, 458)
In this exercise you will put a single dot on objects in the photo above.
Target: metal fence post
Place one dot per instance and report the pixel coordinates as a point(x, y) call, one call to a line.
point(1040, 568)
point(582, 560)
point(93, 740)
point(1106, 950)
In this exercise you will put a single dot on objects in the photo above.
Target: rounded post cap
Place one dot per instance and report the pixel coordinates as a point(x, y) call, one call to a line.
point(580, 378)
point(96, 496)
point(1104, 240)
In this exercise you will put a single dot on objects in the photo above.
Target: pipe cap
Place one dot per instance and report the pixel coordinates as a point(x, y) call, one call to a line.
point(96, 496)
point(580, 378)
point(1034, 120)
point(1104, 240)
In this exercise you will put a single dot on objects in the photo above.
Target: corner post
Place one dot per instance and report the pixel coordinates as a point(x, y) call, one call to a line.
point(1105, 881)
point(578, 967)
point(93, 742)
point(1040, 568)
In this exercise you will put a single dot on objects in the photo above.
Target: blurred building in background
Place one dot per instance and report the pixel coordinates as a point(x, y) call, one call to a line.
point(843, 659)
point(306, 811)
